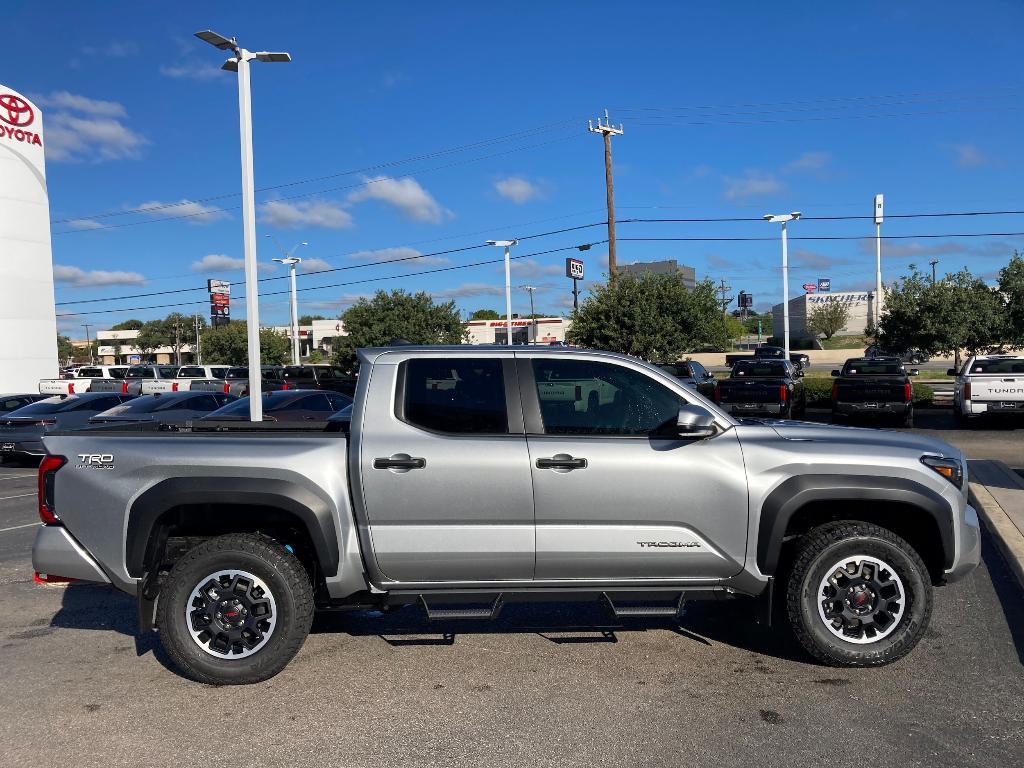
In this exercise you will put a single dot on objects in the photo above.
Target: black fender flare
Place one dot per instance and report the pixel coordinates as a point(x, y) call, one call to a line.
point(315, 512)
point(795, 493)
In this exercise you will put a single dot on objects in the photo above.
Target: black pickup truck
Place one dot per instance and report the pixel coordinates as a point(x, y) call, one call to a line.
point(873, 388)
point(763, 387)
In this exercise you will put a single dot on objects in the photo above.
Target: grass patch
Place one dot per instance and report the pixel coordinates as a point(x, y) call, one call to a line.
point(845, 342)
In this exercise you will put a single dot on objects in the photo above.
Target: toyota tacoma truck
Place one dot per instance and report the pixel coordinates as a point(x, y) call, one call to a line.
point(988, 385)
point(465, 478)
point(763, 387)
point(873, 388)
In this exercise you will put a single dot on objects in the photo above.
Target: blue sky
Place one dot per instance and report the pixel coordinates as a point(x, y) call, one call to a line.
point(730, 110)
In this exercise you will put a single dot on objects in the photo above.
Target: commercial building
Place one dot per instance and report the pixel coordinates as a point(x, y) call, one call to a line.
point(859, 305)
point(540, 330)
point(120, 348)
point(666, 267)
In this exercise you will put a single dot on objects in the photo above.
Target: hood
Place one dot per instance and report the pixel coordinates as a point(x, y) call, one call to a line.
point(849, 436)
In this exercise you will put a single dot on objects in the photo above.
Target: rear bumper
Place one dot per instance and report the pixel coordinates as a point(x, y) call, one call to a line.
point(968, 554)
point(978, 407)
point(753, 409)
point(21, 449)
point(56, 553)
point(868, 409)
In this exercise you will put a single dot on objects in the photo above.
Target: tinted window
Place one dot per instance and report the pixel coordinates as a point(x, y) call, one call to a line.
point(139, 405)
point(872, 368)
point(699, 371)
point(590, 398)
point(139, 373)
point(338, 401)
point(680, 370)
point(168, 373)
point(760, 368)
point(997, 366)
point(95, 403)
point(191, 372)
point(460, 396)
point(218, 372)
point(10, 405)
point(317, 402)
point(51, 405)
point(90, 373)
point(237, 373)
point(222, 399)
point(300, 372)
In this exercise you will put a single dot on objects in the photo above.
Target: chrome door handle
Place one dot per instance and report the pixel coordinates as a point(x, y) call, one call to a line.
point(562, 461)
point(400, 461)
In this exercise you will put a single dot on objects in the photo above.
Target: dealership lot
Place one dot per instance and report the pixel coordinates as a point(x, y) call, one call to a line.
point(548, 684)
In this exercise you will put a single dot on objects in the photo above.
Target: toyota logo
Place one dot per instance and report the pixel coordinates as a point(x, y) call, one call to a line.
point(18, 112)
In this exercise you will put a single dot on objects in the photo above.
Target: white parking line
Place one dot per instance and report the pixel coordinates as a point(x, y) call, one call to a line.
point(17, 527)
point(15, 477)
point(21, 496)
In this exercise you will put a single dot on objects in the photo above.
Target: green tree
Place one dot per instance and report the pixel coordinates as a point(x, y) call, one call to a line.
point(734, 327)
point(65, 349)
point(484, 314)
point(828, 318)
point(308, 319)
point(127, 325)
point(152, 336)
point(229, 345)
point(396, 315)
point(1011, 286)
point(649, 316)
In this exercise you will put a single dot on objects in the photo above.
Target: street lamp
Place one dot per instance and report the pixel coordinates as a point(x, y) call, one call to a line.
point(533, 314)
point(291, 260)
point(507, 245)
point(784, 218)
point(240, 63)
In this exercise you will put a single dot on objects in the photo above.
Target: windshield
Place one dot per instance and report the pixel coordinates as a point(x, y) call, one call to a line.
point(49, 405)
point(872, 368)
point(998, 366)
point(764, 368)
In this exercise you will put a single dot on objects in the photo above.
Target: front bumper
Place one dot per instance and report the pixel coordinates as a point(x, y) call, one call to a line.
point(871, 409)
point(56, 553)
point(968, 554)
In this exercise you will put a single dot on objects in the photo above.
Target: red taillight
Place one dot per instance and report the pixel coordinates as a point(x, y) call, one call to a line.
point(967, 390)
point(174, 386)
point(47, 472)
point(835, 391)
point(718, 393)
point(783, 393)
point(284, 386)
point(908, 392)
point(71, 388)
point(227, 388)
point(124, 387)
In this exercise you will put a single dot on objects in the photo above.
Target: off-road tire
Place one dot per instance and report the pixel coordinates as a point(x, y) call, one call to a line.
point(813, 558)
point(266, 559)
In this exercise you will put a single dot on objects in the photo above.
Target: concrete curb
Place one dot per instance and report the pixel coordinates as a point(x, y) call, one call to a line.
point(1009, 538)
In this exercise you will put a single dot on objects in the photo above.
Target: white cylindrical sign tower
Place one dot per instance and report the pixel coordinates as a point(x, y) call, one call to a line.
point(28, 326)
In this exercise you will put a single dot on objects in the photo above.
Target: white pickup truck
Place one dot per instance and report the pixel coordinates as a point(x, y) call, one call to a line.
point(82, 379)
point(988, 384)
point(133, 379)
point(184, 378)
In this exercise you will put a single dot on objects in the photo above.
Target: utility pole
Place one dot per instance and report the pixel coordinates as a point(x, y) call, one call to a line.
point(177, 341)
point(607, 130)
point(199, 349)
point(933, 262)
point(725, 301)
point(533, 315)
point(879, 200)
point(88, 341)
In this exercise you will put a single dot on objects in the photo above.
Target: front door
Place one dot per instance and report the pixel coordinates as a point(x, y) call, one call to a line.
point(445, 471)
point(617, 493)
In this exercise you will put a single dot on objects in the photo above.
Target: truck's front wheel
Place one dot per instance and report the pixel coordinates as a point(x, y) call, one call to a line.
point(858, 595)
point(235, 610)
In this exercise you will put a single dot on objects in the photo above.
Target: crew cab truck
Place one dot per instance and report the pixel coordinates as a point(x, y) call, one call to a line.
point(873, 388)
point(763, 387)
point(988, 384)
point(184, 379)
point(135, 377)
point(469, 477)
point(83, 380)
point(235, 381)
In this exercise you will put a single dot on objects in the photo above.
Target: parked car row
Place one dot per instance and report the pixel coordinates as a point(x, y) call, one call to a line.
point(29, 418)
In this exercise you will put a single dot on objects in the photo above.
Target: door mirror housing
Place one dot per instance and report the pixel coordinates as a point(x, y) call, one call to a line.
point(835, 372)
point(951, 372)
point(695, 422)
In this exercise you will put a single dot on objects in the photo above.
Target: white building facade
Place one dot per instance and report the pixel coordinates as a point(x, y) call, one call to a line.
point(859, 305)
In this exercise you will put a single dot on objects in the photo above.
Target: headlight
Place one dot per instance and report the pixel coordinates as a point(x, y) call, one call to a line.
point(951, 469)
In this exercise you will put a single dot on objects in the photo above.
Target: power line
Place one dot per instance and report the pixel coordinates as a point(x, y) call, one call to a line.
point(825, 237)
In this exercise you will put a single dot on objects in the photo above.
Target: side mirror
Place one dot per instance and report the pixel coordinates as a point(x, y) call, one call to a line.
point(800, 373)
point(915, 372)
point(694, 421)
point(836, 372)
point(951, 372)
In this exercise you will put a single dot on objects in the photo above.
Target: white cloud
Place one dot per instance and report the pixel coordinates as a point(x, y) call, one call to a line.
point(404, 194)
point(968, 155)
point(197, 212)
point(531, 267)
point(752, 184)
point(313, 265)
point(218, 262)
point(410, 257)
point(312, 213)
point(809, 161)
point(802, 259)
point(904, 250)
point(79, 128)
point(80, 278)
point(192, 70)
point(469, 290)
point(517, 189)
point(114, 50)
point(332, 305)
point(84, 224)
point(73, 102)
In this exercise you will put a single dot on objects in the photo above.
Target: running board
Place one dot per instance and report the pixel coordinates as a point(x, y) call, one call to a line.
point(644, 610)
point(449, 611)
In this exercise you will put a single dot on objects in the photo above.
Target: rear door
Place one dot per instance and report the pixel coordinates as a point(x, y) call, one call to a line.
point(446, 485)
point(618, 494)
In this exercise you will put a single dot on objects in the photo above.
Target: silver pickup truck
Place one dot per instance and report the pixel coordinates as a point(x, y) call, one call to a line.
point(467, 477)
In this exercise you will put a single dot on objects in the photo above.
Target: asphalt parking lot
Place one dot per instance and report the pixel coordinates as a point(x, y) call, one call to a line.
point(546, 685)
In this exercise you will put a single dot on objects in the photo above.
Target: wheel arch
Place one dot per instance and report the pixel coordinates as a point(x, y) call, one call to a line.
point(910, 509)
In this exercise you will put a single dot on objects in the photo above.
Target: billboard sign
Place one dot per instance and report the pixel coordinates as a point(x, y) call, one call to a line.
point(810, 287)
point(574, 268)
point(745, 300)
point(220, 302)
point(824, 285)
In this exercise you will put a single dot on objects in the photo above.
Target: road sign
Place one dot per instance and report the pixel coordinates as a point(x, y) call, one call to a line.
point(810, 287)
point(824, 284)
point(574, 268)
point(745, 300)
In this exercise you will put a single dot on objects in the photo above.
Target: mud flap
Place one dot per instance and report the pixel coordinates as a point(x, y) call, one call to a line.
point(149, 588)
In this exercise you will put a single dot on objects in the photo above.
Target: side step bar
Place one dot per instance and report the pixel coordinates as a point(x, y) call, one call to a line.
point(629, 605)
point(449, 611)
point(646, 610)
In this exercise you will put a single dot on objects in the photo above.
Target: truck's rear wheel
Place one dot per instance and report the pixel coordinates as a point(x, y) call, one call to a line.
point(858, 595)
point(235, 609)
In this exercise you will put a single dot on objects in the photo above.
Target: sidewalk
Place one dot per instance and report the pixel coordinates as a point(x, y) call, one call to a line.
point(998, 495)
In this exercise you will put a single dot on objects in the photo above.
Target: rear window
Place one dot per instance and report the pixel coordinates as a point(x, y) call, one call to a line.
point(143, 372)
point(761, 368)
point(50, 405)
point(191, 372)
point(237, 373)
point(457, 396)
point(872, 368)
point(91, 373)
point(776, 352)
point(998, 366)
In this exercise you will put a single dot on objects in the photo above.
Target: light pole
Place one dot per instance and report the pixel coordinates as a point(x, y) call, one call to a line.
point(533, 319)
point(240, 63)
point(879, 201)
point(291, 260)
point(507, 245)
point(933, 262)
point(784, 218)
point(88, 341)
